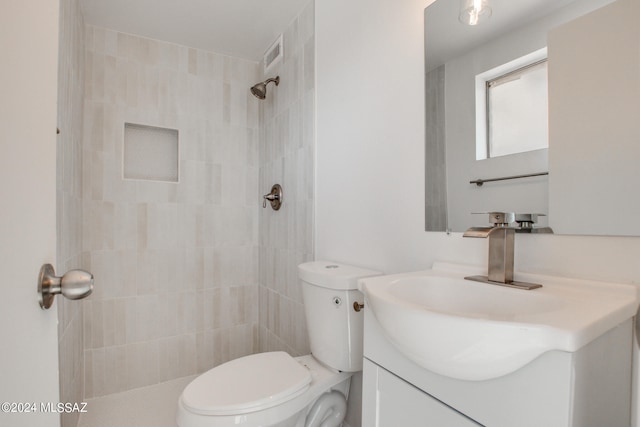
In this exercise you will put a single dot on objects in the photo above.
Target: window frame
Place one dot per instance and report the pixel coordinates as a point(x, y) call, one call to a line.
point(482, 98)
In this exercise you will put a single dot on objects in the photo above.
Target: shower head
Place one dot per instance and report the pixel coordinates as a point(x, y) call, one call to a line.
point(260, 90)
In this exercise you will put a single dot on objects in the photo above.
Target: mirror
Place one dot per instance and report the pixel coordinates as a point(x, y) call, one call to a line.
point(588, 160)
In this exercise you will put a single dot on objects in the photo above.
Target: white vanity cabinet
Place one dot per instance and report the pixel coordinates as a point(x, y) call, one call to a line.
point(398, 403)
point(587, 388)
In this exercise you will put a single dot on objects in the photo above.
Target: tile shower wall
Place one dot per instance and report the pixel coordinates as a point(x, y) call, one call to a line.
point(69, 200)
point(287, 157)
point(176, 264)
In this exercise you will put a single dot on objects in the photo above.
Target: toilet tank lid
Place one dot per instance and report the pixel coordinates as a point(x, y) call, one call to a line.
point(247, 384)
point(333, 275)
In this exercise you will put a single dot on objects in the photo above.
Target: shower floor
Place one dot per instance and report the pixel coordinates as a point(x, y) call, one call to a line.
point(153, 406)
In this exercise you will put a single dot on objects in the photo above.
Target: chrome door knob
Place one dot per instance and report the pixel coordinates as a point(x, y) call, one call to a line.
point(74, 284)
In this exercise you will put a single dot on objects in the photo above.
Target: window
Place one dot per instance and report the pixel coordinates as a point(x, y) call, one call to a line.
point(512, 109)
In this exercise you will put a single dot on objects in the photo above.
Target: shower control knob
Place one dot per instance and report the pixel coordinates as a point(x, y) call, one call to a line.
point(270, 197)
point(274, 197)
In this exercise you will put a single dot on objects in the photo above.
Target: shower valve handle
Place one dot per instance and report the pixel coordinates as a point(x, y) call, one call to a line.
point(274, 197)
point(269, 197)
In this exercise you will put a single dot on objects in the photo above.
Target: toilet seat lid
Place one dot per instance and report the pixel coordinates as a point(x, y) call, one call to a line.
point(247, 384)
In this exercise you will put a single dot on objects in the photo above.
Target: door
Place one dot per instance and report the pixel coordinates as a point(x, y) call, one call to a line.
point(28, 92)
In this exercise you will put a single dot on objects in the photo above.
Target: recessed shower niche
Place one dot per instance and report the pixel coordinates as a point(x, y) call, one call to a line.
point(150, 153)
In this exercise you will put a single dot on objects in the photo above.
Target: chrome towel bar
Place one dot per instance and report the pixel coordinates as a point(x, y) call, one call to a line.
point(479, 182)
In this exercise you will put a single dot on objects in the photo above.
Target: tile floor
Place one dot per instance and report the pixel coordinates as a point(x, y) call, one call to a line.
point(153, 406)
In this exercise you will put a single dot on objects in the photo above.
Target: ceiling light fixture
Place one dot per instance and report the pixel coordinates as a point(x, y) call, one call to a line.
point(472, 12)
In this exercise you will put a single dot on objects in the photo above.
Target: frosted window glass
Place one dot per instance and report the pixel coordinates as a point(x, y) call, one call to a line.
point(517, 111)
point(150, 153)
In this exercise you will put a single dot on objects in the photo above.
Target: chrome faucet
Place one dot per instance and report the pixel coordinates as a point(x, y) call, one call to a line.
point(501, 249)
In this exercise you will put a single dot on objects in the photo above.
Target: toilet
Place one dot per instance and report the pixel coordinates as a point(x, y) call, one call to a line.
point(275, 389)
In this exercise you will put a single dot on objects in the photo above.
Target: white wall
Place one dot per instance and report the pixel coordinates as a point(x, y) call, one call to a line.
point(370, 133)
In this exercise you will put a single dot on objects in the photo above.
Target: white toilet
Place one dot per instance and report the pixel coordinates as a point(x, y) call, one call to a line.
point(275, 389)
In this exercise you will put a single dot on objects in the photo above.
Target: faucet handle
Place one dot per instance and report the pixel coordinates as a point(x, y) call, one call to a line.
point(499, 219)
point(526, 224)
point(528, 217)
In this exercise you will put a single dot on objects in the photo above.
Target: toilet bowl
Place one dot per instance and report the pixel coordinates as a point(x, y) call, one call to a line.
point(275, 389)
point(264, 389)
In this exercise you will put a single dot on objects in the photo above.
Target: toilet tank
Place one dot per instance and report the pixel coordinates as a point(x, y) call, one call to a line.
point(335, 328)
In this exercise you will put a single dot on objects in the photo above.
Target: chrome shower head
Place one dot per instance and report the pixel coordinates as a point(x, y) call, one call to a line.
point(260, 90)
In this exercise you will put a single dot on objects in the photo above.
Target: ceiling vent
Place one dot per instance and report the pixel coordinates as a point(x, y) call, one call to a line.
point(274, 54)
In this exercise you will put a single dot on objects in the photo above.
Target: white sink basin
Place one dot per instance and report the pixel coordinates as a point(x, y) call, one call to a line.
point(476, 331)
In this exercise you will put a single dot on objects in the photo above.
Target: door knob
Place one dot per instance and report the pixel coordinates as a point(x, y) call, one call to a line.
point(74, 284)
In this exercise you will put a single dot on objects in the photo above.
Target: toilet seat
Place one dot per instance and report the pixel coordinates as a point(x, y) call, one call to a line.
point(247, 384)
point(275, 413)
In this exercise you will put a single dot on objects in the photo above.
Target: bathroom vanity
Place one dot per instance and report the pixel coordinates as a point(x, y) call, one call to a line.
point(589, 386)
